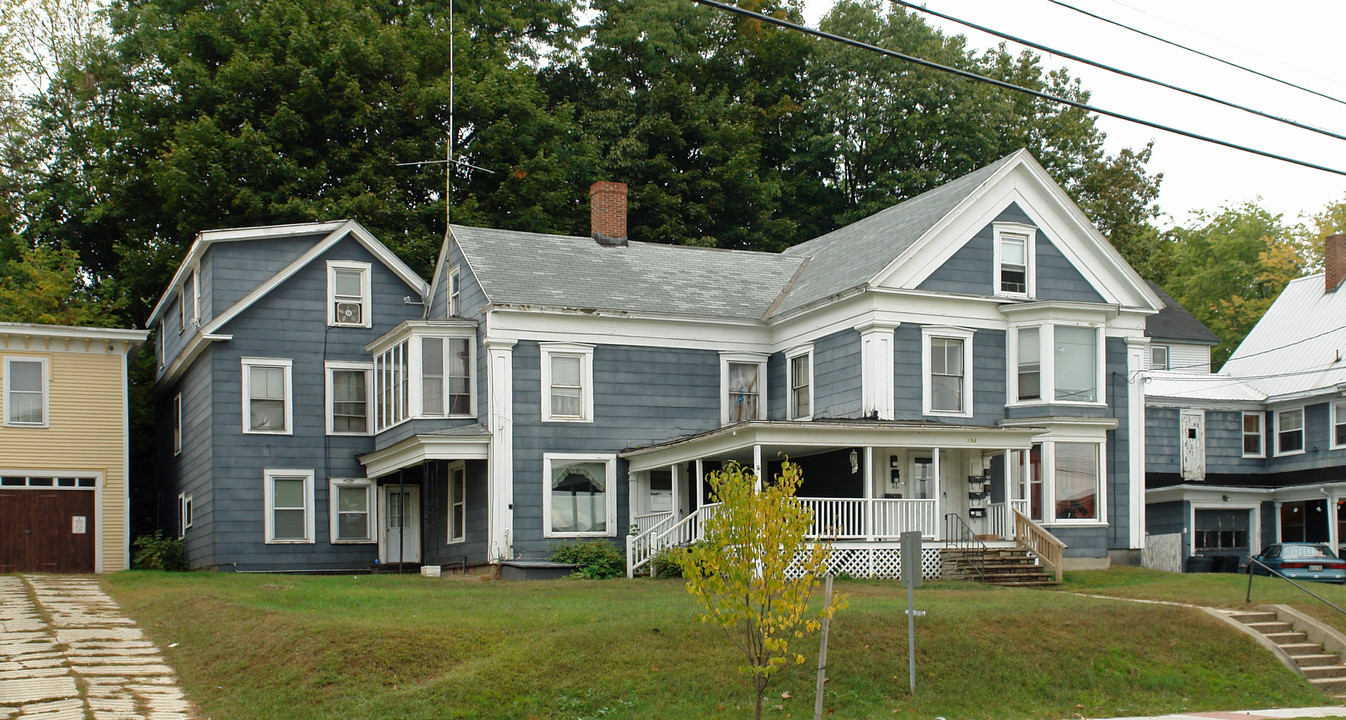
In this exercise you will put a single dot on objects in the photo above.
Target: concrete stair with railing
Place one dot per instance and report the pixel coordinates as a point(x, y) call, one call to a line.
point(1013, 567)
point(1311, 648)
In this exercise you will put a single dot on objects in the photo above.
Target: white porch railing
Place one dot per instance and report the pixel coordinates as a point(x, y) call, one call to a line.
point(1002, 519)
point(665, 534)
point(892, 517)
point(640, 547)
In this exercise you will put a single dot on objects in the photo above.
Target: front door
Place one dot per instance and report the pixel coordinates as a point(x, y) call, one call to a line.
point(400, 524)
point(1193, 444)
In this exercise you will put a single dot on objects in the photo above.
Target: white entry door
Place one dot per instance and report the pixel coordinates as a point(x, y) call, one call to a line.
point(400, 524)
point(1192, 424)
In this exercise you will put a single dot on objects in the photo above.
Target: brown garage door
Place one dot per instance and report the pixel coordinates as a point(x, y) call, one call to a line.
point(37, 530)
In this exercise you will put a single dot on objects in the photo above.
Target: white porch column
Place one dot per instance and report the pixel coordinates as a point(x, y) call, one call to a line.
point(1332, 521)
point(869, 493)
point(757, 466)
point(939, 494)
point(700, 484)
point(1135, 434)
point(677, 495)
point(876, 368)
point(500, 461)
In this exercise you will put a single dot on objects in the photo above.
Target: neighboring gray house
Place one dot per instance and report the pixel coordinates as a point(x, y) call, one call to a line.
point(968, 356)
point(1256, 454)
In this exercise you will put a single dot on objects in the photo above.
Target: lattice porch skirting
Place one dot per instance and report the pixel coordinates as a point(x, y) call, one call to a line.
point(881, 561)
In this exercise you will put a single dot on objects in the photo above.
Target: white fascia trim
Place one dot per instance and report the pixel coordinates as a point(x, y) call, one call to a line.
point(929, 333)
point(1165, 401)
point(790, 356)
point(419, 448)
point(184, 359)
point(334, 514)
point(245, 385)
point(439, 267)
point(1208, 493)
point(585, 353)
point(741, 358)
point(328, 394)
point(207, 238)
point(467, 262)
point(511, 324)
point(269, 505)
point(999, 230)
point(424, 328)
point(132, 338)
point(609, 494)
point(366, 271)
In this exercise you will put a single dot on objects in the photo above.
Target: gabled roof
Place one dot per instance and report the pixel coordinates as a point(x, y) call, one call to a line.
point(562, 271)
point(1175, 323)
point(850, 256)
point(1299, 345)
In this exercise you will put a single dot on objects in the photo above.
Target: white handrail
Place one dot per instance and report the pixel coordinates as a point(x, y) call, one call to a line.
point(640, 547)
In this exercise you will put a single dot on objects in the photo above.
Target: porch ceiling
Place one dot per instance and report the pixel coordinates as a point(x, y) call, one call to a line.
point(798, 439)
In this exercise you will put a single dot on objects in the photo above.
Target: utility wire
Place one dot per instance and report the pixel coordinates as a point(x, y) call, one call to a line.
point(1278, 348)
point(1118, 71)
point(1008, 86)
point(1198, 52)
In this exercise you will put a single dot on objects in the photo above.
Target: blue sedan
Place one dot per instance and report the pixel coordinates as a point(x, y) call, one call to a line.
point(1301, 561)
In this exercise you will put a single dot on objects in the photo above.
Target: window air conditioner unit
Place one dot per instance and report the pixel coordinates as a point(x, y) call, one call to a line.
point(348, 313)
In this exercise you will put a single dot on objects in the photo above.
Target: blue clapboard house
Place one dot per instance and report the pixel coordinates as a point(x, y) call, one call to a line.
point(967, 364)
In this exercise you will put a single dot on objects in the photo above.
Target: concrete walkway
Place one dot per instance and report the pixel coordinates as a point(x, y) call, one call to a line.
point(67, 653)
point(1269, 714)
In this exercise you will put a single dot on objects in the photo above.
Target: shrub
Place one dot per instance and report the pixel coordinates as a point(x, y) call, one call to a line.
point(667, 563)
point(594, 559)
point(156, 552)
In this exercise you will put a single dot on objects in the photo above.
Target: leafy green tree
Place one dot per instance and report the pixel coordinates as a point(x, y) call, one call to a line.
point(754, 571)
point(45, 285)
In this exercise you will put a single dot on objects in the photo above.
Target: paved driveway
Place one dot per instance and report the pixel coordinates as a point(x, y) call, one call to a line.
point(68, 653)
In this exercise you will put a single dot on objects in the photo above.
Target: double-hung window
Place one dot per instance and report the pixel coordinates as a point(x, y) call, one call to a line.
point(1158, 357)
point(567, 383)
point(446, 376)
point(348, 406)
point(177, 424)
point(1075, 355)
point(947, 355)
point(799, 366)
point(1253, 442)
point(26, 391)
point(348, 293)
point(1014, 259)
point(457, 503)
point(579, 495)
point(266, 396)
point(351, 511)
point(1029, 373)
point(1075, 480)
point(1338, 424)
point(743, 387)
point(1290, 431)
point(288, 497)
point(454, 291)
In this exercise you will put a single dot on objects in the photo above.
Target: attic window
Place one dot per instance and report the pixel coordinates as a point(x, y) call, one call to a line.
point(348, 293)
point(1158, 357)
point(1014, 259)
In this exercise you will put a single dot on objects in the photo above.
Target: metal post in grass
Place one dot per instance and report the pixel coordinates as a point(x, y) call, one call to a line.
point(822, 651)
point(911, 577)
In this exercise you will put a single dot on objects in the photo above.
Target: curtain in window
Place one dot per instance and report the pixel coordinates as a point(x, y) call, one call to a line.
point(349, 401)
point(267, 404)
point(946, 374)
point(1076, 480)
point(743, 392)
point(1030, 364)
point(565, 386)
point(1076, 364)
point(25, 392)
point(288, 509)
point(579, 497)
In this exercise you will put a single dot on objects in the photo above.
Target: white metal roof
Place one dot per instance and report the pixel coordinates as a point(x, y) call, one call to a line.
point(1200, 386)
point(1299, 345)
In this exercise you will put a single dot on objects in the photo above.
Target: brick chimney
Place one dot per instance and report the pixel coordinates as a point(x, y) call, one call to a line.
point(1334, 248)
point(607, 213)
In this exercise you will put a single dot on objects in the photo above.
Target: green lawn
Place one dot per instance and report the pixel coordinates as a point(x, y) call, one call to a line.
point(251, 646)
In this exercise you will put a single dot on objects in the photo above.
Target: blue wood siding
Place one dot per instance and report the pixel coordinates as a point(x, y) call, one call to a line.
point(988, 377)
point(238, 268)
point(1161, 440)
point(435, 547)
point(970, 271)
point(777, 395)
point(641, 396)
point(1082, 542)
point(190, 471)
point(837, 375)
point(1166, 518)
point(291, 323)
point(1118, 462)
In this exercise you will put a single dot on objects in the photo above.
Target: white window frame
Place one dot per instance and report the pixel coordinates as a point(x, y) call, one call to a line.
point(1047, 365)
point(286, 366)
point(196, 296)
point(458, 534)
point(9, 361)
point(182, 309)
point(610, 493)
point(1303, 437)
point(269, 476)
point(329, 395)
point(159, 343)
point(177, 424)
point(454, 291)
point(1337, 414)
point(182, 515)
point(1168, 357)
point(1001, 231)
point(758, 359)
point(585, 353)
point(1261, 433)
point(334, 511)
point(1049, 482)
point(790, 357)
point(418, 372)
point(366, 292)
point(928, 334)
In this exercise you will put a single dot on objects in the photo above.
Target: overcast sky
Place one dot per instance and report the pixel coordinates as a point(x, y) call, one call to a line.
point(1297, 41)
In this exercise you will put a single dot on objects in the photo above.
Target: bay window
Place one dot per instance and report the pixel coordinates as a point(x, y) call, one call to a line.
point(1055, 363)
point(1030, 364)
point(1076, 357)
point(1075, 479)
point(1060, 482)
point(425, 370)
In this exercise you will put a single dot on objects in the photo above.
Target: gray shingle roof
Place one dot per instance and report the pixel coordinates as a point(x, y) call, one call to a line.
point(1175, 323)
point(520, 268)
point(849, 257)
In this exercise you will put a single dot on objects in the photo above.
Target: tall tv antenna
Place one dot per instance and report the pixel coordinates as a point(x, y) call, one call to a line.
point(449, 162)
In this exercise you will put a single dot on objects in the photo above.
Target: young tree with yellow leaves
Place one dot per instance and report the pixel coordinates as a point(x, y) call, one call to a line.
point(754, 571)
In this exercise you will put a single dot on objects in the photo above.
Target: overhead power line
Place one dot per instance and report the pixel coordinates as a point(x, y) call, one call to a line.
point(1008, 86)
point(1198, 52)
point(1119, 71)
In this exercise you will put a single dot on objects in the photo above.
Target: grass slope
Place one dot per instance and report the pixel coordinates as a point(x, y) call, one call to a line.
point(250, 646)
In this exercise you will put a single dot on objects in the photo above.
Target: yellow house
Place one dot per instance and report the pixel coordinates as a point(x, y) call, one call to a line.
point(64, 504)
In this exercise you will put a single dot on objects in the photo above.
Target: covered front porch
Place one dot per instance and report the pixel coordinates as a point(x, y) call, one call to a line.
point(866, 481)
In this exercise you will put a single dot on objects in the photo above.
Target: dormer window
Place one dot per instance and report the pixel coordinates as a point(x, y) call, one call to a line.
point(1014, 258)
point(348, 294)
